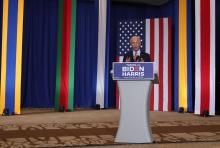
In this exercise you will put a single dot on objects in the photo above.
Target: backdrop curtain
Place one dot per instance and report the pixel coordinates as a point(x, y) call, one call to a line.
point(39, 48)
point(86, 54)
point(39, 53)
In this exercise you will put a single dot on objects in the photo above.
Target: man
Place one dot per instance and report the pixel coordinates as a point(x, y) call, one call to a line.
point(136, 55)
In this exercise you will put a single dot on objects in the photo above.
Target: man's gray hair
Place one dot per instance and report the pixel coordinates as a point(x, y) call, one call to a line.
point(135, 36)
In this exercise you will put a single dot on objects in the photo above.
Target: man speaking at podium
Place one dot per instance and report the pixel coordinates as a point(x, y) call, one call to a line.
point(134, 124)
point(136, 55)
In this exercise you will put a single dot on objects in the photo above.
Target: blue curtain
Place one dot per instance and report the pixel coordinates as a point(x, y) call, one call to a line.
point(109, 102)
point(39, 53)
point(176, 57)
point(86, 54)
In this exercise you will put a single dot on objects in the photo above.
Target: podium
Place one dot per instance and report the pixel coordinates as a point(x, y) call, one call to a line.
point(134, 123)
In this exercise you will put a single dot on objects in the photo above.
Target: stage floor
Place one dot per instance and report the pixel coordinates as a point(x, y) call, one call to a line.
point(47, 128)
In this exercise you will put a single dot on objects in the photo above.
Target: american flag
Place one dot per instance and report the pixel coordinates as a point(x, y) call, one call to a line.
point(156, 40)
point(127, 29)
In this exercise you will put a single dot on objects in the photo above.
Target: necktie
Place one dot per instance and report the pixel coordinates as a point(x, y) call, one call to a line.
point(135, 54)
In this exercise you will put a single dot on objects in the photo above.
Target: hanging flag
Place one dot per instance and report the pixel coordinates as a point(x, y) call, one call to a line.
point(65, 55)
point(103, 53)
point(183, 56)
point(157, 41)
point(205, 56)
point(11, 57)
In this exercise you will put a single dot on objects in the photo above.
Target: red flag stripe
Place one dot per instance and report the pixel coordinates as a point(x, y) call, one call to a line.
point(152, 59)
point(65, 54)
point(117, 89)
point(161, 64)
point(205, 54)
point(169, 64)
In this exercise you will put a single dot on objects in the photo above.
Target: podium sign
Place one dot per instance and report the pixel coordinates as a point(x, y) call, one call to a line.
point(137, 71)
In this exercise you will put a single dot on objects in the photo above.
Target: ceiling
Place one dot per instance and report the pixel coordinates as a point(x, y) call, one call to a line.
point(149, 2)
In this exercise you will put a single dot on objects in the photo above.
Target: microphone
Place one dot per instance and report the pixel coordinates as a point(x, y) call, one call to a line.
point(156, 79)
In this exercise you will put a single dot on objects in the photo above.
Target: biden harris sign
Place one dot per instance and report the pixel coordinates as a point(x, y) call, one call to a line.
point(137, 71)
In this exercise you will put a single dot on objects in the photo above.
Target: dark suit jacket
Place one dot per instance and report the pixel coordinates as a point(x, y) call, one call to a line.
point(143, 56)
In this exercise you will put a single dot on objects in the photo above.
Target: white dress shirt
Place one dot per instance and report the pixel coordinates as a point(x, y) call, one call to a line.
point(138, 52)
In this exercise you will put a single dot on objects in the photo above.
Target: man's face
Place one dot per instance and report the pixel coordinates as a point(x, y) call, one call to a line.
point(135, 43)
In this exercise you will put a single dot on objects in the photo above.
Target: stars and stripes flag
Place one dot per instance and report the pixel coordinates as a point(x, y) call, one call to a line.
point(205, 56)
point(156, 40)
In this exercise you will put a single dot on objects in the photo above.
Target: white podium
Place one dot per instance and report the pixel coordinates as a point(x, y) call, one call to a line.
point(134, 124)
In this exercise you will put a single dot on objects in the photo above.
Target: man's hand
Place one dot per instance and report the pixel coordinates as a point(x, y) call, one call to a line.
point(127, 59)
point(156, 79)
point(135, 58)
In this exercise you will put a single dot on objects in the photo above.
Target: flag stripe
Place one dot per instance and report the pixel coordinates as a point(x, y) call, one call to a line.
point(212, 58)
point(197, 58)
point(183, 54)
point(152, 38)
point(117, 96)
point(72, 57)
point(169, 64)
point(65, 55)
point(156, 64)
point(101, 53)
point(152, 59)
point(116, 88)
point(165, 64)
point(189, 56)
point(176, 57)
point(107, 102)
point(4, 53)
point(11, 55)
point(205, 54)
point(148, 36)
point(19, 57)
point(161, 45)
point(59, 54)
